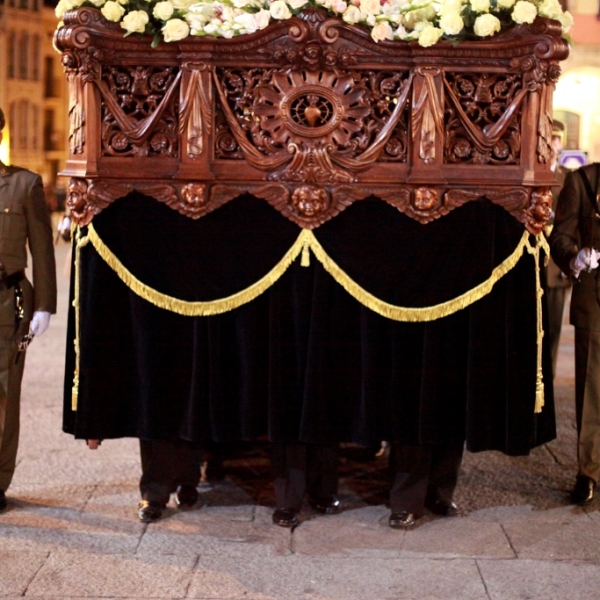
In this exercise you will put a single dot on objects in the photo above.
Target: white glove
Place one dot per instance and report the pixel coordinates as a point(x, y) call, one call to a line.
point(586, 259)
point(39, 322)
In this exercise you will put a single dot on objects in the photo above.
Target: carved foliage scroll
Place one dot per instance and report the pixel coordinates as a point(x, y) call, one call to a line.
point(483, 116)
point(139, 111)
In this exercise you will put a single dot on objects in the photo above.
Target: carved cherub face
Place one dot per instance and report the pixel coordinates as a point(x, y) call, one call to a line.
point(541, 204)
point(425, 198)
point(309, 200)
point(76, 195)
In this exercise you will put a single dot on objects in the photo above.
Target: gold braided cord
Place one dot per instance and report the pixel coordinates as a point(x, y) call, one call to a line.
point(539, 382)
point(196, 309)
point(427, 313)
point(79, 243)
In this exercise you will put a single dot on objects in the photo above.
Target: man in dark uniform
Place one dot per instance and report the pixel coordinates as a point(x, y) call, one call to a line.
point(573, 243)
point(558, 283)
point(24, 310)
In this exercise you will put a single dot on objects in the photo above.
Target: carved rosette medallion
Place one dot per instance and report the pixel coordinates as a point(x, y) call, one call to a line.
point(311, 111)
point(312, 126)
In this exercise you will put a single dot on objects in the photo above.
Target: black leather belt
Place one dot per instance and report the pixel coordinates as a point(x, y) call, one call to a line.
point(12, 279)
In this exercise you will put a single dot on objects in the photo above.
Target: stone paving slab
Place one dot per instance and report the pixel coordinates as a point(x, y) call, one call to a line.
point(295, 577)
point(68, 573)
point(548, 580)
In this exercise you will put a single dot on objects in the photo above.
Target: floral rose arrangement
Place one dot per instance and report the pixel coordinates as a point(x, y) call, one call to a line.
point(427, 21)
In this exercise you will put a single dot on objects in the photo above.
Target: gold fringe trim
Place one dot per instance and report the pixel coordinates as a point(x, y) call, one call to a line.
point(305, 242)
point(198, 309)
point(428, 313)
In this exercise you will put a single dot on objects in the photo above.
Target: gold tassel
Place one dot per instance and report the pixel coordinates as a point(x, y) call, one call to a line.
point(75, 393)
point(305, 260)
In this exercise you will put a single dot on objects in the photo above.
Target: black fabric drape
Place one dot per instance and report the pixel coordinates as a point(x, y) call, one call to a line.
point(306, 361)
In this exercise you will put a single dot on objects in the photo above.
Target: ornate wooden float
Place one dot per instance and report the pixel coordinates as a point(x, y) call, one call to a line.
point(311, 115)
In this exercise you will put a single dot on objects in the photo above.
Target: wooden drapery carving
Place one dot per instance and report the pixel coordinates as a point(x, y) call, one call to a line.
point(311, 115)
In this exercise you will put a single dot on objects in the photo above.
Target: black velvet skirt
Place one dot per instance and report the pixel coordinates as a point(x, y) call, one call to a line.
point(305, 360)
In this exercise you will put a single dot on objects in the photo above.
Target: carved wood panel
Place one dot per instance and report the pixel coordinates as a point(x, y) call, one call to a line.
point(311, 115)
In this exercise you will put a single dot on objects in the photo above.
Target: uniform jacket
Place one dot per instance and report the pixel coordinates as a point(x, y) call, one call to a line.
point(576, 226)
point(25, 220)
point(555, 277)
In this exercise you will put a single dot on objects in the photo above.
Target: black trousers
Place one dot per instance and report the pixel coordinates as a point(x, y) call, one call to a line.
point(304, 468)
point(166, 464)
point(421, 471)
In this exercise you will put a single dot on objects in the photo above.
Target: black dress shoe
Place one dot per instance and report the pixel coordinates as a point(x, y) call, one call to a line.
point(402, 520)
point(3, 503)
point(583, 491)
point(327, 505)
point(285, 517)
point(186, 496)
point(149, 511)
point(442, 507)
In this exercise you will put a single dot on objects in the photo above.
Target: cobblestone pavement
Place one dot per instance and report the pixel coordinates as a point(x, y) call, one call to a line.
point(71, 531)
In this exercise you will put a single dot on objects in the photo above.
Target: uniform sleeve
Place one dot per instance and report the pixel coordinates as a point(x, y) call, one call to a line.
point(565, 239)
point(39, 237)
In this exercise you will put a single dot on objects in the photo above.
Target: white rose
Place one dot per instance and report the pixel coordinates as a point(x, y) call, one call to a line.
point(135, 21)
point(451, 24)
point(550, 9)
point(480, 6)
point(370, 7)
point(566, 20)
point(296, 4)
point(486, 25)
point(262, 18)
point(400, 33)
point(506, 3)
point(450, 6)
point(246, 23)
point(96, 3)
point(175, 30)
point(112, 11)
point(524, 12)
point(163, 10)
point(429, 36)
point(338, 6)
point(279, 10)
point(62, 7)
point(425, 14)
point(382, 31)
point(351, 15)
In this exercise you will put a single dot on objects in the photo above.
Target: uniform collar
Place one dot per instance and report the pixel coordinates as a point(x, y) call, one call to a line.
point(4, 170)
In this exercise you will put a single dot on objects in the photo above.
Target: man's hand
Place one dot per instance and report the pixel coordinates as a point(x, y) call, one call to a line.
point(586, 260)
point(39, 322)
